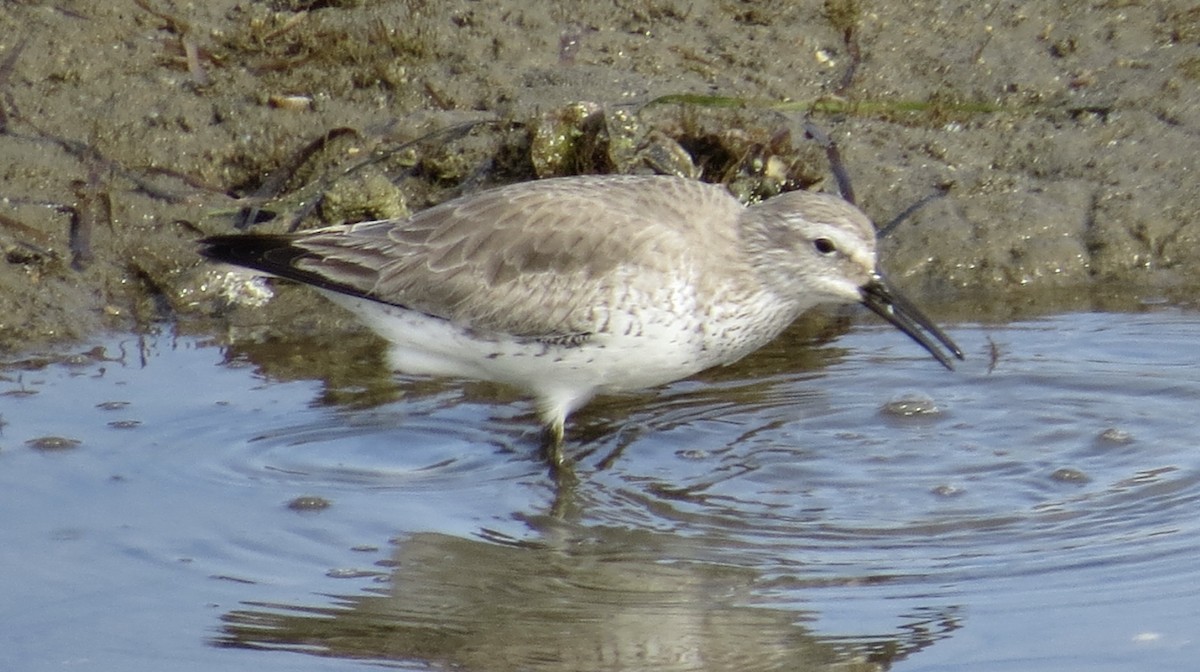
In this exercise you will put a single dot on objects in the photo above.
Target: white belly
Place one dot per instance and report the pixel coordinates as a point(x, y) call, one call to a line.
point(654, 354)
point(667, 339)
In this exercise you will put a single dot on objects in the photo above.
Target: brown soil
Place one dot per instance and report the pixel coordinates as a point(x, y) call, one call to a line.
point(1065, 134)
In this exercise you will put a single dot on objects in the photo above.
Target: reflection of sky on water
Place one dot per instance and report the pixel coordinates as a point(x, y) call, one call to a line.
point(765, 516)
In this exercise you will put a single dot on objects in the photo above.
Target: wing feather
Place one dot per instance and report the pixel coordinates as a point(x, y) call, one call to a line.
point(533, 259)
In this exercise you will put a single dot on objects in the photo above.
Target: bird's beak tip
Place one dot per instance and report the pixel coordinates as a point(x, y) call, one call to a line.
point(889, 304)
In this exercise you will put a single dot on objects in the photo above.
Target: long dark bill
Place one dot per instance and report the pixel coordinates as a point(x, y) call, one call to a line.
point(889, 304)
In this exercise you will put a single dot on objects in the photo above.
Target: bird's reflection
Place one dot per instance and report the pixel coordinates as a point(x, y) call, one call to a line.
point(612, 601)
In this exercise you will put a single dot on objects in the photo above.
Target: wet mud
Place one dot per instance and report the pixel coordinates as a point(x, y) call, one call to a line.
point(1055, 142)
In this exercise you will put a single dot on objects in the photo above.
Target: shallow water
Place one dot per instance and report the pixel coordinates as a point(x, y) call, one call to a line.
point(849, 506)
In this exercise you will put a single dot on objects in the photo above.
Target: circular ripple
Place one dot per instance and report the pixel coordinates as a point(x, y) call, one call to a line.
point(1015, 476)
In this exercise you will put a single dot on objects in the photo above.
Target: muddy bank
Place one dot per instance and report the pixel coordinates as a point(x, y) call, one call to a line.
point(1063, 135)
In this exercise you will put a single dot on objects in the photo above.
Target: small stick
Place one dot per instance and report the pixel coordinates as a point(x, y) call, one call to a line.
point(835, 160)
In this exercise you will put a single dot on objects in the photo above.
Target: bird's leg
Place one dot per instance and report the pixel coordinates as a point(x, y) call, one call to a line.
point(561, 469)
point(552, 444)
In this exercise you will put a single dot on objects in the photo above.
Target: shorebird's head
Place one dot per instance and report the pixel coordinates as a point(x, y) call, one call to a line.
point(816, 248)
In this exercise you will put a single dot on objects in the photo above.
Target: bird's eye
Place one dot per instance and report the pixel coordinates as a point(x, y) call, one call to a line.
point(824, 246)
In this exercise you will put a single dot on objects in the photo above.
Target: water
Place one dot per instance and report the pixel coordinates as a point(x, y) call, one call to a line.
point(850, 506)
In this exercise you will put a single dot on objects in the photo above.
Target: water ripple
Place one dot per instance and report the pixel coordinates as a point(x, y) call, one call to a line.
point(1060, 458)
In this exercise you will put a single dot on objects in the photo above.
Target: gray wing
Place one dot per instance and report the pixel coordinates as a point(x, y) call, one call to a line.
point(537, 259)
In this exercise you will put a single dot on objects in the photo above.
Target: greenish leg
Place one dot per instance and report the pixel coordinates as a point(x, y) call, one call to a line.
point(561, 470)
point(552, 445)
